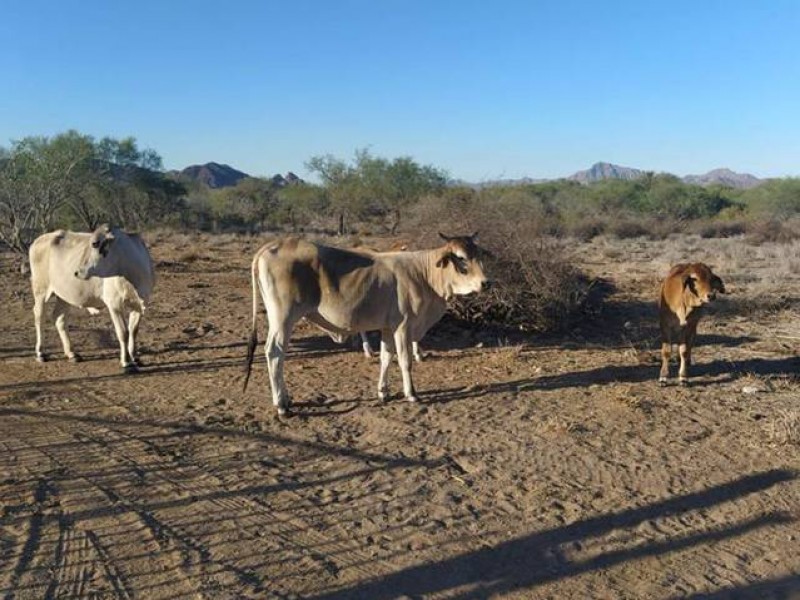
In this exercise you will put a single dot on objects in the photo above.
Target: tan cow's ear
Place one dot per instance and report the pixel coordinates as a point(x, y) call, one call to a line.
point(444, 237)
point(442, 262)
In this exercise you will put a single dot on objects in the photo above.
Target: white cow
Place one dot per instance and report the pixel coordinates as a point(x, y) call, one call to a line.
point(90, 270)
point(401, 294)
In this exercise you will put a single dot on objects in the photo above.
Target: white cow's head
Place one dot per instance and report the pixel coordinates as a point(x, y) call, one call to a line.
point(100, 260)
point(463, 269)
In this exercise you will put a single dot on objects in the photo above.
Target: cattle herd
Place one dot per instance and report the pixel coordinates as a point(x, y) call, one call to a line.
point(343, 291)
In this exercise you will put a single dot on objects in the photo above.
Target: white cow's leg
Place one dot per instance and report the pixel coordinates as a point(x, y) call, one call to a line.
point(387, 351)
point(122, 338)
point(403, 346)
point(133, 330)
point(365, 345)
point(416, 352)
point(38, 313)
point(275, 350)
point(60, 315)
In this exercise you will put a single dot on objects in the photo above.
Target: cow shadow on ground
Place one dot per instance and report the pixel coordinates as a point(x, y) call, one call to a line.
point(721, 370)
point(526, 562)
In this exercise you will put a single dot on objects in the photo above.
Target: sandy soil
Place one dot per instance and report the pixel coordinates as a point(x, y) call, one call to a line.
point(533, 468)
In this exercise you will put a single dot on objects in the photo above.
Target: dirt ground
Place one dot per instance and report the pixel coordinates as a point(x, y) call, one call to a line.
point(539, 467)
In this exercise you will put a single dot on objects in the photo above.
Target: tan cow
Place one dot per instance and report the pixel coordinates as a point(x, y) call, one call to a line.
point(401, 294)
point(366, 347)
point(91, 270)
point(684, 292)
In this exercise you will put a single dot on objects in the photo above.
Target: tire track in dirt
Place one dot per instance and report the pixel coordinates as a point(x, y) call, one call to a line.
point(118, 551)
point(126, 456)
point(274, 523)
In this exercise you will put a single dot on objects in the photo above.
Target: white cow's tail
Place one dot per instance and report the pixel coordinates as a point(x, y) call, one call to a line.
point(253, 341)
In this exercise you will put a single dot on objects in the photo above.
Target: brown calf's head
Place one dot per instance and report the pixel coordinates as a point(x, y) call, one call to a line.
point(702, 284)
point(461, 259)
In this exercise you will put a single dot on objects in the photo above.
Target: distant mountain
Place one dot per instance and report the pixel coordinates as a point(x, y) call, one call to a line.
point(603, 170)
point(281, 181)
point(724, 177)
point(214, 175)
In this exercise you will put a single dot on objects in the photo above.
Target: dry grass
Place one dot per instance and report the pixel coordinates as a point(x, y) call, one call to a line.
point(784, 429)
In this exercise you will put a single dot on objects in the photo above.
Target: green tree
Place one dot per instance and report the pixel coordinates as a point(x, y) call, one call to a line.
point(375, 186)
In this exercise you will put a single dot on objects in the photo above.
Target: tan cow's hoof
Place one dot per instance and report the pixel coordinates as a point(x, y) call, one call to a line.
point(412, 399)
point(684, 382)
point(662, 381)
point(130, 368)
point(75, 358)
point(42, 358)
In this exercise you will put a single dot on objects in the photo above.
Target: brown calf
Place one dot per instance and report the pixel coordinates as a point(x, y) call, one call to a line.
point(686, 289)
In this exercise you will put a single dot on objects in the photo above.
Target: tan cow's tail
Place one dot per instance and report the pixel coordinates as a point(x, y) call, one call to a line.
point(253, 341)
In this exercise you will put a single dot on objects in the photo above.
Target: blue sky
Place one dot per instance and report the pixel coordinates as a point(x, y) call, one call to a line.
point(481, 89)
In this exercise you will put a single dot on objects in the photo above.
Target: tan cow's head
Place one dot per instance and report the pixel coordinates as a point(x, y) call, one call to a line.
point(700, 283)
point(461, 262)
point(97, 262)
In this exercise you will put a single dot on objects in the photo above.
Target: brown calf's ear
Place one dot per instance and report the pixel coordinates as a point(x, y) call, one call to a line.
point(687, 280)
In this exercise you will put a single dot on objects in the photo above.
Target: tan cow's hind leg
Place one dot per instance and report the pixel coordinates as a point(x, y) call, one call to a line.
point(666, 352)
point(275, 350)
point(387, 351)
point(60, 315)
point(416, 351)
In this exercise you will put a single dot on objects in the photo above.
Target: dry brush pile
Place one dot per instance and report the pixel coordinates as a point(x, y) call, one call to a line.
point(535, 286)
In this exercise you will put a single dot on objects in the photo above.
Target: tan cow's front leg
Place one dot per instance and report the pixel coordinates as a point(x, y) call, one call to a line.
point(403, 346)
point(387, 351)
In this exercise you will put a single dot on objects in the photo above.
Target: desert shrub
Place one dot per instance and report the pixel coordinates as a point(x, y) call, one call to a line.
point(625, 228)
point(773, 230)
point(536, 287)
point(720, 229)
point(587, 228)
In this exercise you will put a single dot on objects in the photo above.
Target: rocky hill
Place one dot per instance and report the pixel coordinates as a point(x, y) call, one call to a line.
point(604, 170)
point(214, 175)
point(724, 177)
